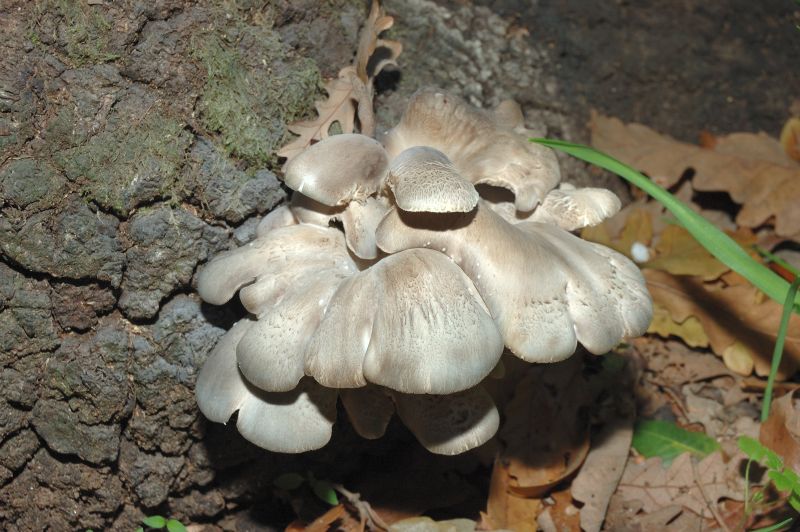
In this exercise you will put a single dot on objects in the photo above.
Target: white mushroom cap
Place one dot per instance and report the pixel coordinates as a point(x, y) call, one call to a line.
point(573, 208)
point(567, 207)
point(339, 169)
point(424, 180)
point(546, 288)
point(369, 409)
point(293, 422)
point(312, 249)
point(280, 216)
point(482, 149)
point(360, 220)
point(449, 424)
point(413, 322)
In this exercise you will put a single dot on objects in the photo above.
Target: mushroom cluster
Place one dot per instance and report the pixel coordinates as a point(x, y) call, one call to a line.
point(399, 274)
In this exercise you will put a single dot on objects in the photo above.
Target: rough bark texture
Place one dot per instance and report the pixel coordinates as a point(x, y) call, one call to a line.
point(136, 141)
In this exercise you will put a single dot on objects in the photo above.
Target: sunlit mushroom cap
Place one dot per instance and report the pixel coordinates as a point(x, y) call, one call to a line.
point(482, 149)
point(339, 169)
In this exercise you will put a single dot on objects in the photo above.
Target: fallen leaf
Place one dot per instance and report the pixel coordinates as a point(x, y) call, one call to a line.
point(678, 253)
point(744, 165)
point(657, 488)
point(729, 314)
point(546, 438)
point(790, 138)
point(561, 515)
point(426, 524)
point(602, 470)
point(690, 330)
point(337, 518)
point(351, 93)
point(505, 510)
point(781, 431)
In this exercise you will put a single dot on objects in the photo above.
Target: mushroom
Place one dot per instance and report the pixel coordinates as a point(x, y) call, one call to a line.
point(483, 150)
point(339, 169)
point(423, 179)
point(449, 424)
point(545, 288)
point(292, 422)
point(567, 207)
point(411, 305)
point(403, 323)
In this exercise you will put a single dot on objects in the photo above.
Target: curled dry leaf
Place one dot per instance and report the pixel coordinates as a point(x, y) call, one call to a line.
point(505, 510)
point(790, 138)
point(657, 488)
point(752, 168)
point(781, 431)
point(546, 438)
point(350, 94)
point(729, 314)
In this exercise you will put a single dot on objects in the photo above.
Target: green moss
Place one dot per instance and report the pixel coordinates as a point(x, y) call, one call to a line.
point(254, 87)
point(84, 29)
point(131, 165)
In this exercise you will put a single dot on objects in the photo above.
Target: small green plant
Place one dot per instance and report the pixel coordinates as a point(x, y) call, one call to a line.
point(157, 522)
point(668, 441)
point(782, 478)
point(323, 489)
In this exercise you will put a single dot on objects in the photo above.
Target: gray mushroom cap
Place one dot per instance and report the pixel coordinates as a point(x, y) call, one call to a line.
point(546, 288)
point(292, 422)
point(449, 424)
point(424, 180)
point(339, 169)
point(482, 149)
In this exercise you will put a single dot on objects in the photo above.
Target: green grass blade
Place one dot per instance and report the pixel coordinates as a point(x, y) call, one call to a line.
point(777, 354)
point(667, 440)
point(776, 526)
point(715, 241)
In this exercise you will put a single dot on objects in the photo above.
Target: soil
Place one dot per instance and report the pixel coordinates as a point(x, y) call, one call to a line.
point(137, 141)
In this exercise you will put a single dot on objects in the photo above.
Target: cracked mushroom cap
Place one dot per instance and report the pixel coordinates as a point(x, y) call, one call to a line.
point(339, 169)
point(546, 288)
point(482, 149)
point(423, 179)
point(403, 323)
point(292, 422)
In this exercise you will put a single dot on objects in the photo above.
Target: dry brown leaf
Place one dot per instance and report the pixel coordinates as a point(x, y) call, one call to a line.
point(781, 431)
point(507, 511)
point(350, 94)
point(546, 438)
point(689, 330)
point(561, 515)
point(678, 253)
point(790, 138)
point(337, 518)
point(728, 315)
point(657, 488)
point(744, 165)
point(602, 470)
point(340, 106)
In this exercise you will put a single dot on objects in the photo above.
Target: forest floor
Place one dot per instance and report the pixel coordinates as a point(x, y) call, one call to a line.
point(137, 140)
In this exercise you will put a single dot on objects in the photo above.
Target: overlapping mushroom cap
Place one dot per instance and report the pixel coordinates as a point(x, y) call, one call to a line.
point(409, 305)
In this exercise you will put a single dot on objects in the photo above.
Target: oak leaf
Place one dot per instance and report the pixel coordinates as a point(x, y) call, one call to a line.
point(752, 168)
point(694, 487)
point(350, 94)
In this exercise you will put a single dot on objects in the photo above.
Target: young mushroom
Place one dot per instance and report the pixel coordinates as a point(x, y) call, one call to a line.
point(390, 283)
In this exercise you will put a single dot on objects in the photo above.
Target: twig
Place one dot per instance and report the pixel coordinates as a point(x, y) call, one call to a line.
point(365, 511)
point(709, 502)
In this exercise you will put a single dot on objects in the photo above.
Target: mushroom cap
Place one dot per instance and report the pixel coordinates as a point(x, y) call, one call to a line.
point(424, 180)
point(369, 409)
point(292, 422)
point(449, 424)
point(546, 288)
point(360, 220)
point(482, 149)
point(567, 207)
point(339, 169)
point(413, 322)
